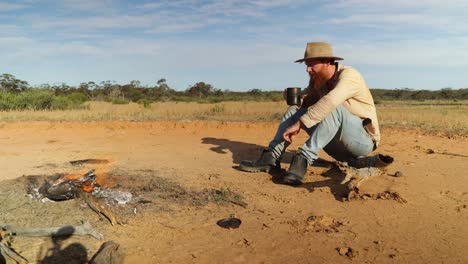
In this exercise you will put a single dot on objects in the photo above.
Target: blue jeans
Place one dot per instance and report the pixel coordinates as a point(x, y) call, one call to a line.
point(340, 134)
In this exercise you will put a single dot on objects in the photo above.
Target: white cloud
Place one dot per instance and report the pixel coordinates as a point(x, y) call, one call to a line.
point(88, 5)
point(91, 22)
point(445, 16)
point(132, 47)
point(389, 6)
point(76, 48)
point(26, 49)
point(446, 53)
point(178, 27)
point(14, 41)
point(151, 6)
point(400, 22)
point(155, 17)
point(10, 30)
point(5, 7)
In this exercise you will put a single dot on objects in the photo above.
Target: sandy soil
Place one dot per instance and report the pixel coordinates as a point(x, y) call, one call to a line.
point(307, 224)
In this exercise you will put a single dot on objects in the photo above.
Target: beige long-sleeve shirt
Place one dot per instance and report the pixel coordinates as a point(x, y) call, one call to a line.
point(346, 87)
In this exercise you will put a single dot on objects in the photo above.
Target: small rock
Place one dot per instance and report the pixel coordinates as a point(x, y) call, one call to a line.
point(343, 251)
point(398, 174)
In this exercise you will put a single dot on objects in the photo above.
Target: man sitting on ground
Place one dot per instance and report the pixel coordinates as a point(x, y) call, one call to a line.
point(337, 112)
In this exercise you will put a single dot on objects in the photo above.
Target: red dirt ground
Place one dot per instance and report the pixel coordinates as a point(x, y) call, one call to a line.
point(277, 225)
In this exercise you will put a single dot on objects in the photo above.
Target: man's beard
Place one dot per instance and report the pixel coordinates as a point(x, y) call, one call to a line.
point(318, 81)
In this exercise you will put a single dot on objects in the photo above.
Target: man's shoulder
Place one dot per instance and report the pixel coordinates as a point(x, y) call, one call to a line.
point(347, 69)
point(348, 72)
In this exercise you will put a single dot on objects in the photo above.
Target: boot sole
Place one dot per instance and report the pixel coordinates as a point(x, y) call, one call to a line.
point(255, 169)
point(292, 180)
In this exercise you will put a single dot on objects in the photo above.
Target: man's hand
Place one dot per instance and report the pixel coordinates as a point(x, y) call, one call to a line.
point(292, 131)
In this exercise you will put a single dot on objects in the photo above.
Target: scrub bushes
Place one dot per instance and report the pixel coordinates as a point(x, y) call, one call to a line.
point(38, 100)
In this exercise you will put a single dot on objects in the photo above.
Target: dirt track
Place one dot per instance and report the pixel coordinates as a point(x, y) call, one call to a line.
point(281, 223)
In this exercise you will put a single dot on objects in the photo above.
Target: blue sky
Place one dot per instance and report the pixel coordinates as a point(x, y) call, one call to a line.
point(233, 44)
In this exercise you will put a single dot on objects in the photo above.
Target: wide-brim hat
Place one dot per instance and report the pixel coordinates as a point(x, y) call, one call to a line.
point(318, 50)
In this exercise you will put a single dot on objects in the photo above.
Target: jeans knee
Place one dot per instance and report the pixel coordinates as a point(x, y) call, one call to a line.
point(291, 111)
point(337, 115)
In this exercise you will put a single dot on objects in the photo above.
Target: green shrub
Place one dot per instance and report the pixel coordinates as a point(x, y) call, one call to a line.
point(78, 97)
point(65, 103)
point(119, 101)
point(213, 100)
point(135, 95)
point(145, 102)
point(36, 100)
point(7, 101)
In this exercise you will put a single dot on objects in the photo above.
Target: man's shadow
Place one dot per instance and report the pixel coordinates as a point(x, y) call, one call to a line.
point(74, 253)
point(333, 176)
point(247, 151)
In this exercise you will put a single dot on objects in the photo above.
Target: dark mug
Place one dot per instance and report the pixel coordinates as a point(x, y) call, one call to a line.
point(293, 96)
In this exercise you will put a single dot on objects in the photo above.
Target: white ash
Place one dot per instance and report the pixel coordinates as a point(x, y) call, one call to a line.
point(120, 197)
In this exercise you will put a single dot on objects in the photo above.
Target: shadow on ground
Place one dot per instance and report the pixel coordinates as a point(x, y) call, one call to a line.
point(333, 177)
point(247, 151)
point(73, 253)
point(240, 150)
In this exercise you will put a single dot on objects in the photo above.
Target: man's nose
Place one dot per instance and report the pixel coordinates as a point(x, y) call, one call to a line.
point(309, 69)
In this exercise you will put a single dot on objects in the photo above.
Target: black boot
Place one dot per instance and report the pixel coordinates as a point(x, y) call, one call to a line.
point(296, 172)
point(265, 163)
point(378, 161)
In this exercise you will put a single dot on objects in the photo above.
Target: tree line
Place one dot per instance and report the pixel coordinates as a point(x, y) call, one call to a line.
point(18, 94)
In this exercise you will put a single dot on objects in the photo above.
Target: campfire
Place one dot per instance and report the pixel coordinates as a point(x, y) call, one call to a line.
point(69, 186)
point(93, 187)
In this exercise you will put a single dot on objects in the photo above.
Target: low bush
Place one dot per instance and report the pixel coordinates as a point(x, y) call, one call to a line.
point(78, 97)
point(145, 103)
point(119, 100)
point(37, 100)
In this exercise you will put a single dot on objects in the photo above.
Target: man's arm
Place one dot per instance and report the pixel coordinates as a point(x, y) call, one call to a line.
point(349, 84)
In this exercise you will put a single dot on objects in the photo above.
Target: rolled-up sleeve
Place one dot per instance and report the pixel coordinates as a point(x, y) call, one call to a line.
point(348, 85)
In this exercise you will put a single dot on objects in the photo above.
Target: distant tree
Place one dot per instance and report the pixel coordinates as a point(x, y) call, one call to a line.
point(108, 87)
point(84, 89)
point(200, 90)
point(8, 83)
point(61, 89)
point(135, 95)
point(135, 84)
point(447, 93)
point(161, 81)
point(115, 91)
point(92, 86)
point(161, 91)
point(254, 91)
point(45, 86)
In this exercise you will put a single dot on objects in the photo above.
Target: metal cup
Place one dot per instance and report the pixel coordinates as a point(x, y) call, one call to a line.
point(293, 96)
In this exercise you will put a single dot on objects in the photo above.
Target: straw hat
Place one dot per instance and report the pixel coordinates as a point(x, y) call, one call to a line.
point(318, 50)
